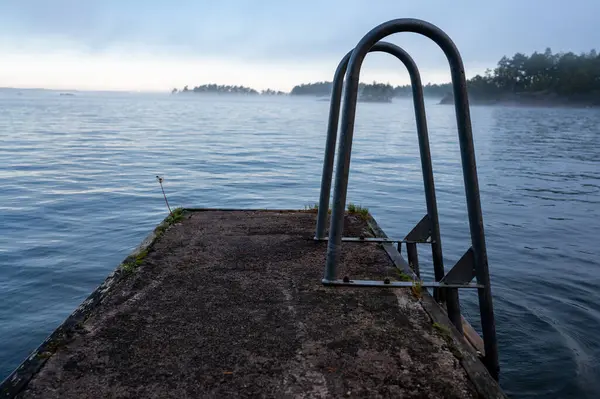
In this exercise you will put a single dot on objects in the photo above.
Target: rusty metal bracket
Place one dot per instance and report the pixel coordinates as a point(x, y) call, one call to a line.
point(421, 232)
point(463, 271)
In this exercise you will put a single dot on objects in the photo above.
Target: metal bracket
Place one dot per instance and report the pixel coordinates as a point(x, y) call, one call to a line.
point(421, 232)
point(396, 284)
point(463, 271)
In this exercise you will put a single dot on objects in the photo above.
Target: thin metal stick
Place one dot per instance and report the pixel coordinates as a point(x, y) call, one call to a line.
point(160, 180)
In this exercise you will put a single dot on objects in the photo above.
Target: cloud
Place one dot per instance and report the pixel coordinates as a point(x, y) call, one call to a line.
point(291, 34)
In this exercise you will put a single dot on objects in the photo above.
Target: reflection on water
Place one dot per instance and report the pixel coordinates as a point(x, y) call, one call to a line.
point(79, 192)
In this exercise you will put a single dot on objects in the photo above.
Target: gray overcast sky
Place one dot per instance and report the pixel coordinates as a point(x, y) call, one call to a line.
point(156, 44)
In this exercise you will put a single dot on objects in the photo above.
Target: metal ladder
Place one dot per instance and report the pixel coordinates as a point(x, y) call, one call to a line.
point(474, 263)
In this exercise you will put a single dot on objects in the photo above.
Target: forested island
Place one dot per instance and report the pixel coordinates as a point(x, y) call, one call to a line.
point(375, 92)
point(538, 79)
point(323, 89)
point(227, 89)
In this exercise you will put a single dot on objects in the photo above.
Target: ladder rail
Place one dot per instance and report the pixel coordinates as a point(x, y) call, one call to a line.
point(465, 136)
point(449, 296)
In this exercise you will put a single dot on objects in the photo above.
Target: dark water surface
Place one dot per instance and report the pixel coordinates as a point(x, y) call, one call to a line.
point(79, 192)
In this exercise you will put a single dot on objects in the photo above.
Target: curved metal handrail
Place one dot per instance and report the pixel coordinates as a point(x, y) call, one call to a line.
point(465, 136)
point(332, 127)
point(425, 154)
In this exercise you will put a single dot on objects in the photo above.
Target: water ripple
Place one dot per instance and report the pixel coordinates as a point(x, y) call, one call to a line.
point(79, 192)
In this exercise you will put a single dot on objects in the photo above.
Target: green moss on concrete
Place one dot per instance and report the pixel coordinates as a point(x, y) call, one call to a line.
point(175, 217)
point(446, 334)
point(417, 289)
point(403, 276)
point(133, 263)
point(442, 329)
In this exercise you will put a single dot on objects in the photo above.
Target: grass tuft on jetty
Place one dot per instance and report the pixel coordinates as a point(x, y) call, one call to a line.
point(354, 209)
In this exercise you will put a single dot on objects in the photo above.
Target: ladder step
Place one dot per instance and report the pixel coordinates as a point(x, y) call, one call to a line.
point(377, 239)
point(397, 284)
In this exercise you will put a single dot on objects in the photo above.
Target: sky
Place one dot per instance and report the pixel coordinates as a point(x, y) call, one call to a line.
point(155, 45)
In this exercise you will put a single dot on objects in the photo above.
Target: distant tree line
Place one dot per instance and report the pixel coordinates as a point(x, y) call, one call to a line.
point(430, 90)
point(270, 92)
point(214, 88)
point(324, 89)
point(226, 89)
point(375, 92)
point(546, 75)
point(312, 89)
point(367, 92)
point(565, 76)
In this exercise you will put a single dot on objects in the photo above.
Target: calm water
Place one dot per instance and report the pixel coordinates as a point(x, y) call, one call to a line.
point(79, 192)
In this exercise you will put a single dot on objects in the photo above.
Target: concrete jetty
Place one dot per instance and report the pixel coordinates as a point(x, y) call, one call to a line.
point(229, 303)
